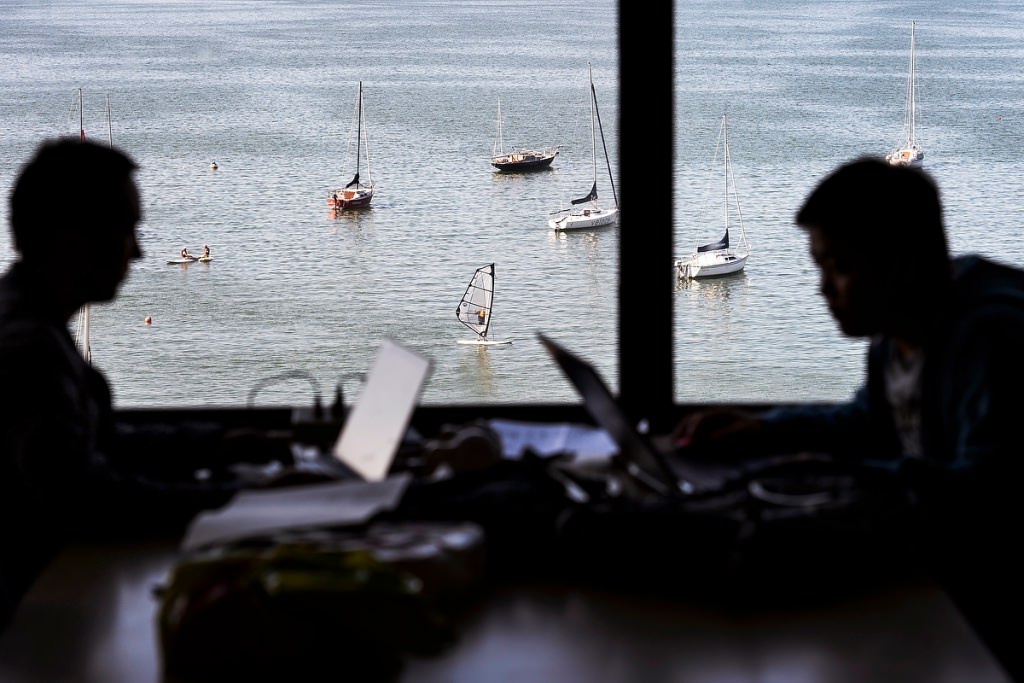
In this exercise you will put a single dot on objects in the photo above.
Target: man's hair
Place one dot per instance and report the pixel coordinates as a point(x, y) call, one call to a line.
point(67, 185)
point(869, 203)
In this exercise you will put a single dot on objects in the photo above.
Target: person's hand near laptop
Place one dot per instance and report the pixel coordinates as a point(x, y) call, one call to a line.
point(718, 433)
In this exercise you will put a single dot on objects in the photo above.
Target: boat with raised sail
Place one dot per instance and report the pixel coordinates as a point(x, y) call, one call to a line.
point(518, 160)
point(718, 258)
point(474, 310)
point(910, 152)
point(585, 212)
point(356, 194)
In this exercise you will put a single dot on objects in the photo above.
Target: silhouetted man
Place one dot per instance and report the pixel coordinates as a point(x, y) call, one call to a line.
point(945, 373)
point(73, 214)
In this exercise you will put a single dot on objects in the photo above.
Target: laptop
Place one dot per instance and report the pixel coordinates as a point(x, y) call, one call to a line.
point(376, 424)
point(645, 462)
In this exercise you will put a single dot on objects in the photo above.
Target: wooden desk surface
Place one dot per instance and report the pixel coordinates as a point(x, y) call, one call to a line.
point(91, 617)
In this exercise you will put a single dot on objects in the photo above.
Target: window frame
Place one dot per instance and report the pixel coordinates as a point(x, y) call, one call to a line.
point(646, 114)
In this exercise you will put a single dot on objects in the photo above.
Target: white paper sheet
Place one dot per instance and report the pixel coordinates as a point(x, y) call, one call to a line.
point(260, 512)
point(582, 441)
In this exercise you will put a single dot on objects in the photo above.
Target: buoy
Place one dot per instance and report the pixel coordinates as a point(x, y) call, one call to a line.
point(213, 166)
point(149, 320)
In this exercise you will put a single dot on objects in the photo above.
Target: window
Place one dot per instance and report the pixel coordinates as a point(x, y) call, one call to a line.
point(806, 87)
point(266, 91)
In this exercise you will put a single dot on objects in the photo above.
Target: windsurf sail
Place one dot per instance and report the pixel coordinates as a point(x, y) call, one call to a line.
point(474, 311)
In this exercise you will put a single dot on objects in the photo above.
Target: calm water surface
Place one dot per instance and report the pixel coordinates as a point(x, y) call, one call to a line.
point(267, 89)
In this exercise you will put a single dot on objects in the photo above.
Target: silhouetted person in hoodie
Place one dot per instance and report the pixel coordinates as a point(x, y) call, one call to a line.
point(941, 407)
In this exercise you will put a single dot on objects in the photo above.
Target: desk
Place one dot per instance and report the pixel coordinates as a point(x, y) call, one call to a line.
point(91, 618)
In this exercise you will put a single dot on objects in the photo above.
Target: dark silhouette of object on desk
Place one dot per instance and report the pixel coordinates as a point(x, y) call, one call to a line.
point(945, 370)
point(62, 470)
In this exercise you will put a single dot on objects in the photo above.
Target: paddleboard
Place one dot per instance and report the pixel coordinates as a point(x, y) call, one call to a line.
point(179, 261)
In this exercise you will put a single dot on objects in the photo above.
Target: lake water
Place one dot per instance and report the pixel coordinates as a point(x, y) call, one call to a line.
point(267, 90)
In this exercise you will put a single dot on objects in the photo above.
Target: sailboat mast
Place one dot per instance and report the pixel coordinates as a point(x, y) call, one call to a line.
point(490, 301)
point(913, 84)
point(86, 346)
point(110, 134)
point(359, 125)
point(725, 158)
point(501, 136)
point(83, 312)
point(604, 145)
point(593, 119)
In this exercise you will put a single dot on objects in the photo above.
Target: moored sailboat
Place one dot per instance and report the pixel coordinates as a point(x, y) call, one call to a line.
point(910, 153)
point(585, 212)
point(719, 257)
point(518, 160)
point(356, 194)
point(474, 310)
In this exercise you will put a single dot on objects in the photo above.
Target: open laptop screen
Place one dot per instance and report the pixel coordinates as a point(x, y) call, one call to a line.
point(377, 422)
point(634, 447)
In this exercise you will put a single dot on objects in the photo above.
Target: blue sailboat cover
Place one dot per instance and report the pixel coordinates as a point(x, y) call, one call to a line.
point(715, 246)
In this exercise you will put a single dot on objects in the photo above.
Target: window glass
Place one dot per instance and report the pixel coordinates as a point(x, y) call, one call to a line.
point(297, 297)
point(805, 87)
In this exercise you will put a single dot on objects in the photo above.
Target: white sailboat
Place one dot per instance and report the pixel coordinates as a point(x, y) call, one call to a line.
point(474, 311)
point(910, 153)
point(585, 212)
point(356, 194)
point(82, 333)
point(720, 257)
point(518, 160)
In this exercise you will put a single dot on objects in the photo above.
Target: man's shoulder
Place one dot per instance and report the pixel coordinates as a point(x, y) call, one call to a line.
point(26, 349)
point(980, 281)
point(987, 308)
point(27, 344)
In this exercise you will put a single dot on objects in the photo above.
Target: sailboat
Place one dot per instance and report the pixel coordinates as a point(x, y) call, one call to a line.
point(719, 257)
point(356, 193)
point(910, 153)
point(585, 211)
point(474, 311)
point(82, 333)
point(522, 160)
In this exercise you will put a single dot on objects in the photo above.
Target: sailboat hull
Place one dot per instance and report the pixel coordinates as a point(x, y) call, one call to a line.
point(908, 156)
point(710, 264)
point(523, 161)
point(583, 220)
point(350, 199)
